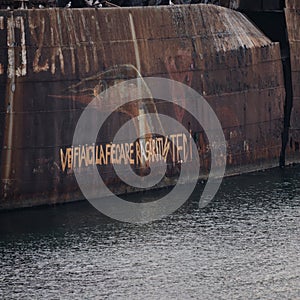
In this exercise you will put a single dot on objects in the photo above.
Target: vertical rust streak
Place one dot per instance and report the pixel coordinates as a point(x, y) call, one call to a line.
point(99, 42)
point(68, 19)
point(56, 44)
point(83, 42)
point(9, 120)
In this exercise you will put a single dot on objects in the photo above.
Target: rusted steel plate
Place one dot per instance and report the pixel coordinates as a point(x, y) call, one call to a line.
point(293, 22)
point(54, 61)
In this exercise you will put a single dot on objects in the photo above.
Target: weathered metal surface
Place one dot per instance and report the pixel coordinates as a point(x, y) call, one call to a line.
point(293, 23)
point(52, 62)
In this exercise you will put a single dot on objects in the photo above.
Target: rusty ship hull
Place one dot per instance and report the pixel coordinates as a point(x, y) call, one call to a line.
point(54, 61)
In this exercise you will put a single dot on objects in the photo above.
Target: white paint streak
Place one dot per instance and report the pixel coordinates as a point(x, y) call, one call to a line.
point(136, 49)
point(142, 122)
point(235, 34)
point(53, 52)
point(59, 42)
point(73, 60)
point(56, 51)
point(95, 56)
point(1, 22)
point(245, 34)
point(94, 46)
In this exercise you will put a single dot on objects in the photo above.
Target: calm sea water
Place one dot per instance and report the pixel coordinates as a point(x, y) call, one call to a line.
point(244, 245)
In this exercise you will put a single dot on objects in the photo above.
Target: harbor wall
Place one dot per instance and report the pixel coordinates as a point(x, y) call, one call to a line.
point(293, 24)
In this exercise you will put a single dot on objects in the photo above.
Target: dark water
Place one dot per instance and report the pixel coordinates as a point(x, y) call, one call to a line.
point(244, 245)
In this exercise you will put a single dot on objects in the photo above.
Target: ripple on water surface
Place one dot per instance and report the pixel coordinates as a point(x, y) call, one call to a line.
point(244, 245)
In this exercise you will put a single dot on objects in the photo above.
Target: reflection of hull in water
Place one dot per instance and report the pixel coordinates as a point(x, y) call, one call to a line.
point(58, 60)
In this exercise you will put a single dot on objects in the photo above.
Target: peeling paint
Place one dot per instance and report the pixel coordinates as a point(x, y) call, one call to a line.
point(11, 48)
point(12, 69)
point(21, 70)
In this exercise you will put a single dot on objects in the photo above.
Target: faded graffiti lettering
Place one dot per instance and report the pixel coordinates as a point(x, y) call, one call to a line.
point(140, 153)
